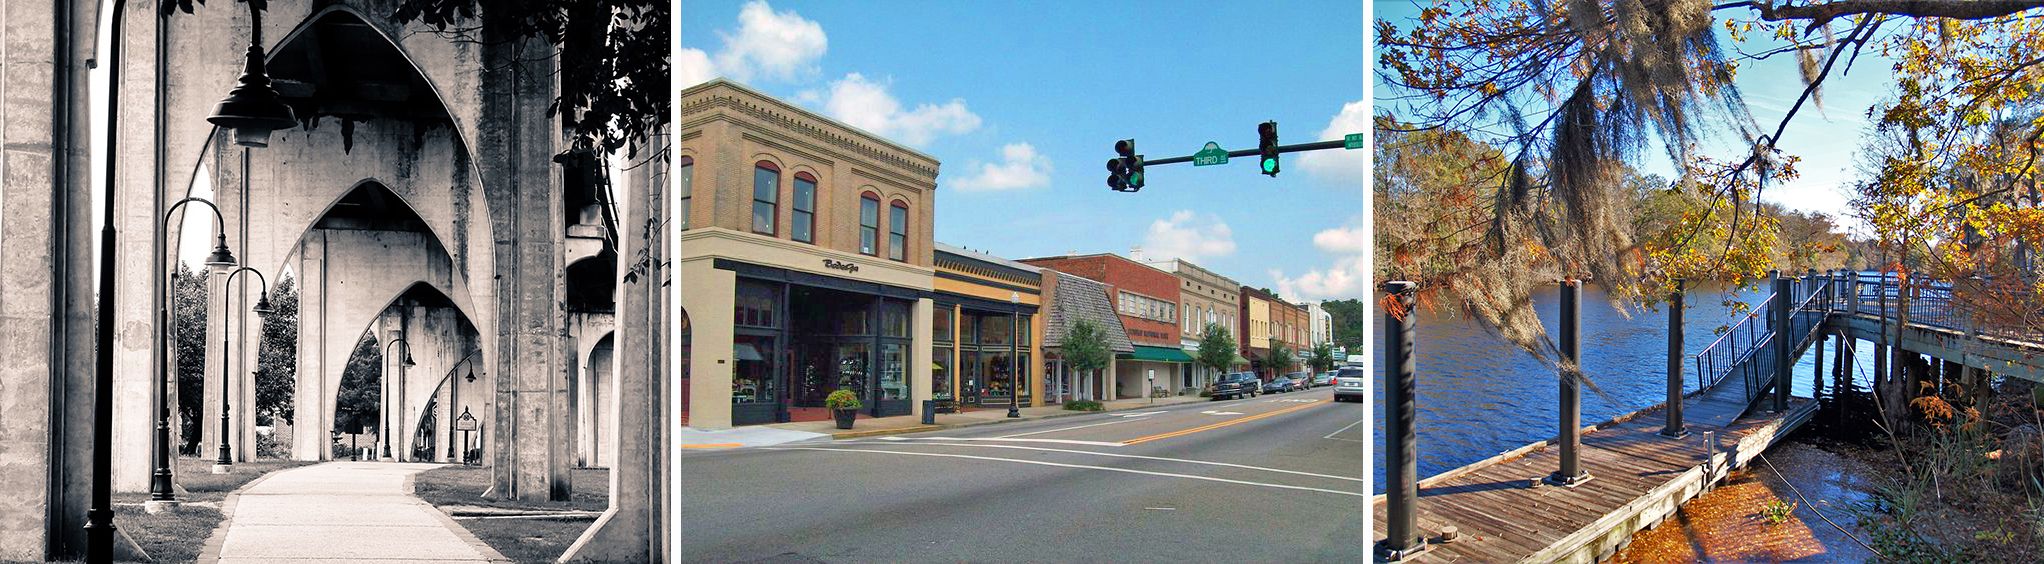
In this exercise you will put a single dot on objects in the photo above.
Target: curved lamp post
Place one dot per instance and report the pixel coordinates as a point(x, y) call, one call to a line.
point(253, 109)
point(262, 306)
point(454, 396)
point(385, 413)
point(160, 488)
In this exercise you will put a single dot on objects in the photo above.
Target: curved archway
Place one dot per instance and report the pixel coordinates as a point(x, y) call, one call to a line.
point(427, 335)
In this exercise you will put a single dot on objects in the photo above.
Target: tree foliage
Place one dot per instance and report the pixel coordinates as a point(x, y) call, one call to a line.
point(1351, 320)
point(1216, 348)
point(277, 359)
point(188, 337)
point(1572, 92)
point(1322, 359)
point(1281, 357)
point(1085, 347)
point(361, 393)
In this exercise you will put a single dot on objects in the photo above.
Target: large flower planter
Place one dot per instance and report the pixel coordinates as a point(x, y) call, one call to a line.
point(844, 417)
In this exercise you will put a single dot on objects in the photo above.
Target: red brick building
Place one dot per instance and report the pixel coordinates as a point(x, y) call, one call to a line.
point(1147, 300)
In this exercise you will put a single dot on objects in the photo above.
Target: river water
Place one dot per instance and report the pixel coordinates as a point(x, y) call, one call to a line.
point(1479, 395)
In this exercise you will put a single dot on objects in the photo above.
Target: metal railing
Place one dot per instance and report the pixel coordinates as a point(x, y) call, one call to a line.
point(1735, 350)
point(1731, 348)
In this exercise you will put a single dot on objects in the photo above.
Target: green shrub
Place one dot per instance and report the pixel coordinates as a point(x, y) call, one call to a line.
point(1083, 405)
point(1778, 512)
point(842, 399)
point(1206, 393)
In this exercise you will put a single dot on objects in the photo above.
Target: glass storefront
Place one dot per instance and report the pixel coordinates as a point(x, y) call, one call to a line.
point(795, 344)
point(989, 354)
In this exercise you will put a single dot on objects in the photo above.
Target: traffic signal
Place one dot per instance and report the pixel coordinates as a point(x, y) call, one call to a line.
point(1266, 145)
point(1125, 172)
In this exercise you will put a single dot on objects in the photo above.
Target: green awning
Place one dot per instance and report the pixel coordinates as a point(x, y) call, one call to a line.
point(1240, 360)
point(1158, 354)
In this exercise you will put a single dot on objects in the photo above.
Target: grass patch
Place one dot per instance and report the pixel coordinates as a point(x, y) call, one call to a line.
point(523, 540)
point(177, 535)
point(1082, 405)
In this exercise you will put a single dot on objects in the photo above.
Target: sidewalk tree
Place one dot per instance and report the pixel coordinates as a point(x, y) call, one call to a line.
point(361, 393)
point(1281, 358)
point(1085, 348)
point(1216, 348)
point(1322, 359)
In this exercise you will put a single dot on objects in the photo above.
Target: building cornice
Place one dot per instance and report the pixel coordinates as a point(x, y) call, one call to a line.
point(700, 101)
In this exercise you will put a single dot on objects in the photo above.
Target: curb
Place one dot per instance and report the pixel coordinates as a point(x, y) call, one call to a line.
point(941, 427)
point(461, 532)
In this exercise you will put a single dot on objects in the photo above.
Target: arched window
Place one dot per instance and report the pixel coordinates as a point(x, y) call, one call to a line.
point(805, 208)
point(766, 198)
point(897, 231)
point(869, 224)
point(688, 166)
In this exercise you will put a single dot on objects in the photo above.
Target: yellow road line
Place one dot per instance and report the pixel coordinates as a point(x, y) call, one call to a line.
point(1180, 433)
point(714, 445)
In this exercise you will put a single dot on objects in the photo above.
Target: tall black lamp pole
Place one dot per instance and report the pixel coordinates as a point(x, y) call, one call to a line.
point(385, 414)
point(262, 306)
point(160, 488)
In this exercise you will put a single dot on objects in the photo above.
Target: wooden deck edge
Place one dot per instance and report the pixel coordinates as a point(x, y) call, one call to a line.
point(1603, 537)
point(1529, 448)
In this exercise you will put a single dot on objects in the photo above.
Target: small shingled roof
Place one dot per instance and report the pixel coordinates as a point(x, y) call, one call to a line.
point(1079, 298)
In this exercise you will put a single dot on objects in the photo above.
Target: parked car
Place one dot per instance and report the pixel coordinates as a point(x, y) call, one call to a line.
point(1348, 385)
point(1323, 379)
point(1279, 385)
point(1301, 380)
point(1235, 385)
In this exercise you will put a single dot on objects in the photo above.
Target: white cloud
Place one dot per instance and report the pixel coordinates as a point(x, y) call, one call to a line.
point(695, 68)
point(1020, 167)
point(1341, 279)
point(771, 45)
point(1190, 236)
point(1345, 164)
point(867, 105)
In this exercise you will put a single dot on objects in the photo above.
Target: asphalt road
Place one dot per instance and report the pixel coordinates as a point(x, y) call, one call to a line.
point(1275, 478)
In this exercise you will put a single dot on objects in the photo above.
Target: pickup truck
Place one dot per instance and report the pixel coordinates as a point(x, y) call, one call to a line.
point(1235, 385)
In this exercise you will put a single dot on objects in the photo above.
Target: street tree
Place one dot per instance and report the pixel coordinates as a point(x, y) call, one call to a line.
point(1281, 358)
point(1574, 90)
point(361, 394)
point(1216, 348)
point(1322, 359)
point(1085, 347)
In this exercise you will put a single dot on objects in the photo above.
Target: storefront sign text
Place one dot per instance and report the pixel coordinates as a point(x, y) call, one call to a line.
point(844, 266)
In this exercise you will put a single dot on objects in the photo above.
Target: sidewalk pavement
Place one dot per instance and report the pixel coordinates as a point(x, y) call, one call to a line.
point(340, 511)
point(780, 433)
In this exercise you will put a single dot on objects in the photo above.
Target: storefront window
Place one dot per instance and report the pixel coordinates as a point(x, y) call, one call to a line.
point(968, 328)
point(940, 374)
point(850, 319)
point(752, 377)
point(893, 371)
point(971, 377)
point(853, 360)
point(1022, 379)
point(996, 330)
point(757, 304)
point(997, 370)
point(940, 323)
point(894, 319)
point(1022, 338)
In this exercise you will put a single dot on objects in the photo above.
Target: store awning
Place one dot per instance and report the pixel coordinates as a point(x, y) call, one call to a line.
point(745, 351)
point(1240, 360)
point(1157, 354)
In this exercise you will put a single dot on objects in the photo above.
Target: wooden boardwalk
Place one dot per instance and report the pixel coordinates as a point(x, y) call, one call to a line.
point(1638, 478)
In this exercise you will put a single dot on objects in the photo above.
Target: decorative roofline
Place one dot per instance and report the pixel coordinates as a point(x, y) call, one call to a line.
point(720, 93)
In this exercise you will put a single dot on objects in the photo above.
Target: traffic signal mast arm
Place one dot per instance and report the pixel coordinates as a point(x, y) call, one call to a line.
point(1314, 146)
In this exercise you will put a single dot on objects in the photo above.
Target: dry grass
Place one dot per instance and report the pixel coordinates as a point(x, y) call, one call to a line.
point(179, 534)
point(522, 540)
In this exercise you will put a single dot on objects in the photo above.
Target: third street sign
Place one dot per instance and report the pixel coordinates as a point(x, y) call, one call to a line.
point(1212, 154)
point(1352, 141)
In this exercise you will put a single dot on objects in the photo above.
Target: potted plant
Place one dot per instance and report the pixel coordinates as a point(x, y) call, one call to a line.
point(844, 404)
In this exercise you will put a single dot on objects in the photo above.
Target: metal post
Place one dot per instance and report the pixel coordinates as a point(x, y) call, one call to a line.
point(1674, 428)
point(1402, 538)
point(1783, 333)
point(1571, 473)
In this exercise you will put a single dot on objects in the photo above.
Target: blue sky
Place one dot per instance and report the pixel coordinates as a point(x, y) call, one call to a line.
point(1022, 103)
point(1825, 139)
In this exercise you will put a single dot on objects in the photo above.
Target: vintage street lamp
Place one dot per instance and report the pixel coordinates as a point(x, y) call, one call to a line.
point(454, 396)
point(225, 462)
point(161, 491)
point(386, 414)
point(253, 109)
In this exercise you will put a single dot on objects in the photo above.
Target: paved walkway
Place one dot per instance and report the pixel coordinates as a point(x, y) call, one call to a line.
point(782, 433)
point(340, 511)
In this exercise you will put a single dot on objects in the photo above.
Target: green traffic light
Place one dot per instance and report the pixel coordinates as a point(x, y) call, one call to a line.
point(1269, 165)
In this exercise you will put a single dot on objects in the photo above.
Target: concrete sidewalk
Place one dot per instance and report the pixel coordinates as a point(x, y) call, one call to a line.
point(340, 511)
point(866, 427)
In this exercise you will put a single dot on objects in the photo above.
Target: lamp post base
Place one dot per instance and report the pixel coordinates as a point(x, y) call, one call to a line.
point(1675, 432)
point(1557, 479)
point(1388, 553)
point(223, 468)
point(1012, 412)
point(155, 506)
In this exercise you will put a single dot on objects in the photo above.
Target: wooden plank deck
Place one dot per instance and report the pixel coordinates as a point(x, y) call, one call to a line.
point(1503, 512)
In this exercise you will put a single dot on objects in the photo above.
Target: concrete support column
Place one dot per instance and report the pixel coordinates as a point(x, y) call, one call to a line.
point(313, 404)
point(218, 315)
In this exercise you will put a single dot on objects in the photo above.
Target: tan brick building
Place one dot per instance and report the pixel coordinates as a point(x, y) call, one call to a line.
point(1204, 297)
point(806, 262)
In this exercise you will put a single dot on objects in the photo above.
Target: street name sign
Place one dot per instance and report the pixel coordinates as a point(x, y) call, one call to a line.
point(1212, 154)
point(1352, 141)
